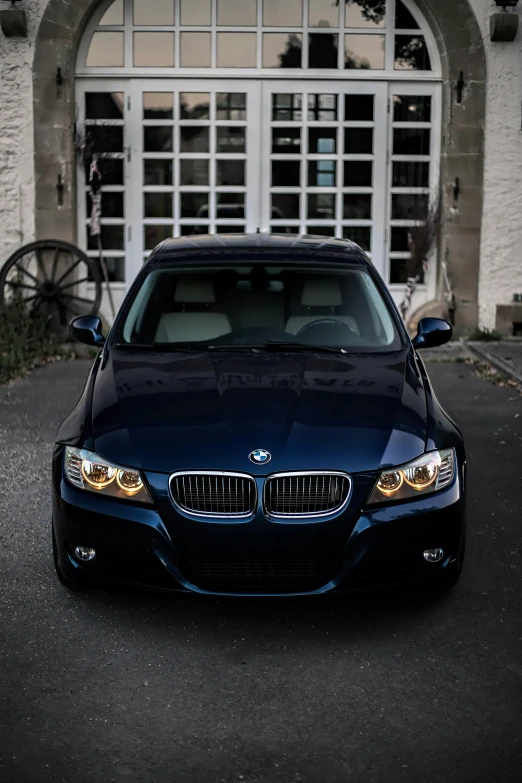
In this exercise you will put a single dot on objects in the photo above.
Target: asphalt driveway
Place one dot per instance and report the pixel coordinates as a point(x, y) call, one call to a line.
point(106, 687)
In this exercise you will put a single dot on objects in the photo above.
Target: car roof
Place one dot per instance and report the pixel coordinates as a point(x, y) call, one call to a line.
point(259, 244)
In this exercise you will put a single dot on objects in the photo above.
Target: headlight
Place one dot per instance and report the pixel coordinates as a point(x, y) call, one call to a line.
point(429, 473)
point(89, 471)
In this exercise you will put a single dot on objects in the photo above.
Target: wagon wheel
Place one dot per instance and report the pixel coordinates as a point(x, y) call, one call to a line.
point(45, 276)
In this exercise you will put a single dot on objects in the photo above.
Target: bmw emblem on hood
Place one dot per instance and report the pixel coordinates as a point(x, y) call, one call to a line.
point(260, 457)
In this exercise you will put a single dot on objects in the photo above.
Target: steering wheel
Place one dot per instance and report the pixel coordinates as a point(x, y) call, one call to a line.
point(335, 331)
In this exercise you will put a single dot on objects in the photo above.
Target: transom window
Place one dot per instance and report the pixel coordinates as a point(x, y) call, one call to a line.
point(316, 35)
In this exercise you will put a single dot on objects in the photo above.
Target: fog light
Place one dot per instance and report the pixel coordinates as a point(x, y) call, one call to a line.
point(84, 553)
point(433, 555)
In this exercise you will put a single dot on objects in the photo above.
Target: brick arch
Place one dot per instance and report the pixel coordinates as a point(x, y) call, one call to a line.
point(461, 50)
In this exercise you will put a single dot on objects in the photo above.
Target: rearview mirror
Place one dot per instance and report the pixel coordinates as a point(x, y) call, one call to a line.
point(87, 329)
point(432, 332)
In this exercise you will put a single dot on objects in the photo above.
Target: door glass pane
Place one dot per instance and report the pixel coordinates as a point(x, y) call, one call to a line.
point(158, 105)
point(357, 206)
point(411, 53)
point(412, 108)
point(194, 139)
point(106, 138)
point(358, 108)
point(361, 235)
point(193, 230)
point(115, 269)
point(194, 205)
point(399, 270)
point(403, 18)
point(411, 141)
point(154, 50)
point(242, 13)
point(286, 173)
point(288, 13)
point(321, 231)
point(286, 206)
point(322, 141)
point(195, 13)
point(194, 105)
point(230, 206)
point(282, 50)
point(400, 239)
point(113, 238)
point(323, 13)
point(112, 170)
point(193, 172)
point(157, 205)
point(239, 229)
point(157, 172)
point(358, 141)
point(106, 50)
point(322, 107)
point(157, 139)
point(411, 175)
point(104, 105)
point(321, 173)
point(406, 206)
point(153, 235)
point(195, 50)
point(321, 206)
point(358, 173)
point(154, 12)
point(113, 205)
point(113, 15)
point(230, 172)
point(364, 51)
point(361, 13)
point(286, 141)
point(287, 107)
point(236, 50)
point(231, 139)
point(323, 48)
point(231, 106)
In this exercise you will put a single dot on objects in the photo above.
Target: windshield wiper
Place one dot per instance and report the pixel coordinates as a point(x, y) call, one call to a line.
point(159, 347)
point(279, 347)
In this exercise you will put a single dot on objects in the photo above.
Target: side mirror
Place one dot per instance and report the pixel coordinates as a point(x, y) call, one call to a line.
point(432, 332)
point(87, 329)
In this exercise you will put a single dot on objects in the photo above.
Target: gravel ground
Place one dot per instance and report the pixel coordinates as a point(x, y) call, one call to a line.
point(103, 687)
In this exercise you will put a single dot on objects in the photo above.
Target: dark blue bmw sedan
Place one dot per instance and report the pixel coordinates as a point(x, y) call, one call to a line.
point(258, 422)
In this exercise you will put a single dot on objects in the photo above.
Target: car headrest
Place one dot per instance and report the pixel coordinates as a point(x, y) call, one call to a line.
point(322, 292)
point(195, 290)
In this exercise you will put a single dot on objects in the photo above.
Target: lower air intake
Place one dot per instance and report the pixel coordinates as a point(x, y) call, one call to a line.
point(260, 574)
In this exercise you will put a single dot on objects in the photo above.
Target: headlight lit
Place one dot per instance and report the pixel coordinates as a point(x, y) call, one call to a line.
point(91, 472)
point(429, 473)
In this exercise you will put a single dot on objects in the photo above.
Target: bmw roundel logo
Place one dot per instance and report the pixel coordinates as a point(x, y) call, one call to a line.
point(260, 457)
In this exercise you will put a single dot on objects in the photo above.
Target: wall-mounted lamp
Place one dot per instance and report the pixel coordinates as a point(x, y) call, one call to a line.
point(13, 21)
point(504, 26)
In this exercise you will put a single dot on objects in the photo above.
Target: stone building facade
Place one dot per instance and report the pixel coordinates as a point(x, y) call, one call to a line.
point(301, 151)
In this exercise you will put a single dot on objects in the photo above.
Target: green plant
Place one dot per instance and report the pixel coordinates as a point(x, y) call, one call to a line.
point(484, 336)
point(25, 339)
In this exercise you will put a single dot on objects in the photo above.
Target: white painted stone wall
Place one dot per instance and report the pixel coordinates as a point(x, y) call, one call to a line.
point(501, 253)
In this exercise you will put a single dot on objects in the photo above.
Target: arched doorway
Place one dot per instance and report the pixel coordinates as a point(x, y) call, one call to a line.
point(308, 116)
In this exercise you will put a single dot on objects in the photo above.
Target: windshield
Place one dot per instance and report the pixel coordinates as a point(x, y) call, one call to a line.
point(210, 308)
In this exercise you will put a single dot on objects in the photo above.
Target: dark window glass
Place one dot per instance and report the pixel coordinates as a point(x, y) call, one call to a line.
point(111, 169)
point(411, 175)
point(401, 269)
point(400, 239)
point(322, 141)
point(230, 205)
point(274, 229)
point(361, 235)
point(112, 205)
point(406, 206)
point(323, 48)
point(358, 141)
point(194, 105)
point(358, 173)
point(194, 139)
point(322, 173)
point(157, 172)
point(239, 229)
point(193, 172)
point(322, 107)
point(320, 231)
point(231, 139)
point(358, 108)
point(231, 106)
point(403, 18)
point(113, 238)
point(286, 205)
point(230, 172)
point(286, 173)
point(115, 269)
point(286, 140)
point(411, 53)
point(411, 108)
point(287, 107)
point(158, 105)
point(411, 141)
point(357, 206)
point(282, 50)
point(157, 205)
point(193, 230)
point(104, 105)
point(157, 139)
point(194, 205)
point(105, 138)
point(153, 235)
point(321, 206)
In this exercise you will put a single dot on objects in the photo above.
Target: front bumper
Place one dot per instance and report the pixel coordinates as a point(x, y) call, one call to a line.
point(161, 548)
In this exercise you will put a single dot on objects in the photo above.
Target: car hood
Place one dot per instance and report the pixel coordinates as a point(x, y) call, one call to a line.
point(171, 411)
